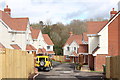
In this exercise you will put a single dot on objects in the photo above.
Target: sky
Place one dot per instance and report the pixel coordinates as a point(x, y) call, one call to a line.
point(59, 10)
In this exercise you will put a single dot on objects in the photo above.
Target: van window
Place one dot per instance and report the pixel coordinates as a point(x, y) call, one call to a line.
point(36, 59)
point(41, 59)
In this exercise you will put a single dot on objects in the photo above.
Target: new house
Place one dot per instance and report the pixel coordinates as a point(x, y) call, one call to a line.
point(74, 47)
point(14, 32)
point(42, 42)
point(105, 42)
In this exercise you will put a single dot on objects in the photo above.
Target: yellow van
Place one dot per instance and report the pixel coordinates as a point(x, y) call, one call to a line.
point(43, 63)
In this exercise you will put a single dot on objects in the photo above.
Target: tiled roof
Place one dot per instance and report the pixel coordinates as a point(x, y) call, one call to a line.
point(95, 49)
point(94, 26)
point(77, 38)
point(85, 36)
point(50, 52)
point(1, 45)
point(34, 33)
point(18, 24)
point(15, 46)
point(47, 39)
point(30, 47)
point(43, 50)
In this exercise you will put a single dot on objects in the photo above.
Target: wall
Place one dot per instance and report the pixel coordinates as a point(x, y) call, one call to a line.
point(113, 37)
point(71, 46)
point(100, 60)
point(103, 41)
point(4, 36)
point(92, 43)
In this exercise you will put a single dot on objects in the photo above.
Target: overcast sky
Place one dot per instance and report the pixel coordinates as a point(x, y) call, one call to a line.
point(59, 10)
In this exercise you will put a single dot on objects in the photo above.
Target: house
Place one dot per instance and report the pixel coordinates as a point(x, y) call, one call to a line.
point(105, 42)
point(92, 28)
point(74, 47)
point(15, 32)
point(42, 42)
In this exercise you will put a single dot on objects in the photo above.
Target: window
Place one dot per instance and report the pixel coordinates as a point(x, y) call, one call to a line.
point(48, 47)
point(74, 48)
point(68, 48)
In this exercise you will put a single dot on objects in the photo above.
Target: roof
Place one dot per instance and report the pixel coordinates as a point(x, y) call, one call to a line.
point(85, 36)
point(15, 46)
point(77, 38)
point(34, 33)
point(95, 49)
point(50, 52)
point(1, 45)
point(30, 47)
point(47, 39)
point(94, 26)
point(43, 50)
point(18, 24)
point(109, 21)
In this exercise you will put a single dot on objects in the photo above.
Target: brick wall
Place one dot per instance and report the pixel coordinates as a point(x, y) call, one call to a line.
point(99, 60)
point(113, 37)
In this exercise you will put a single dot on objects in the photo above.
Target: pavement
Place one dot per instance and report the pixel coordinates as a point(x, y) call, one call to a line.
point(67, 71)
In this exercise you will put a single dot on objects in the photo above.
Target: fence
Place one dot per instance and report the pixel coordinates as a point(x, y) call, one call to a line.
point(59, 58)
point(15, 64)
point(113, 67)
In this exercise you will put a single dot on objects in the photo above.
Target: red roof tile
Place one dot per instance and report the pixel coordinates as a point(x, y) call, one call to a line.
point(15, 46)
point(30, 47)
point(77, 38)
point(85, 36)
point(1, 45)
point(18, 24)
point(34, 33)
point(43, 50)
point(47, 39)
point(94, 26)
point(50, 52)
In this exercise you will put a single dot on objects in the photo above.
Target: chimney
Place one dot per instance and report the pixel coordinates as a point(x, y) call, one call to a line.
point(7, 10)
point(112, 13)
point(70, 33)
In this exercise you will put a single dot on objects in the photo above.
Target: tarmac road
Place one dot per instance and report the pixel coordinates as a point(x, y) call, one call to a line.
point(67, 71)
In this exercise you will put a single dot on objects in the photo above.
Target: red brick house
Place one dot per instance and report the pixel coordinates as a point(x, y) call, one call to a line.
point(105, 42)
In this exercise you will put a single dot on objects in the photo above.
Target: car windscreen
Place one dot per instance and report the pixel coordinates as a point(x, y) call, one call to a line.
point(41, 59)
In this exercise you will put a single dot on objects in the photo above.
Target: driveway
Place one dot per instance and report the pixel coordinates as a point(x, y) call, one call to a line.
point(66, 71)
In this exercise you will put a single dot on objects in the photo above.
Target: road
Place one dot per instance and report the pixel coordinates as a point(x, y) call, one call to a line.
point(66, 71)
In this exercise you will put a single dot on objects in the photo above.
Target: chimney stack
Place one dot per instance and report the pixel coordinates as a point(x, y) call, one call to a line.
point(70, 33)
point(112, 13)
point(7, 10)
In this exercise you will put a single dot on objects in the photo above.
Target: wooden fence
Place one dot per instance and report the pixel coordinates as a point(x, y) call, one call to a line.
point(113, 67)
point(59, 58)
point(15, 63)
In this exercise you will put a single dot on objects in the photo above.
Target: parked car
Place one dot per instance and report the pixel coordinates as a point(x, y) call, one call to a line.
point(43, 63)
